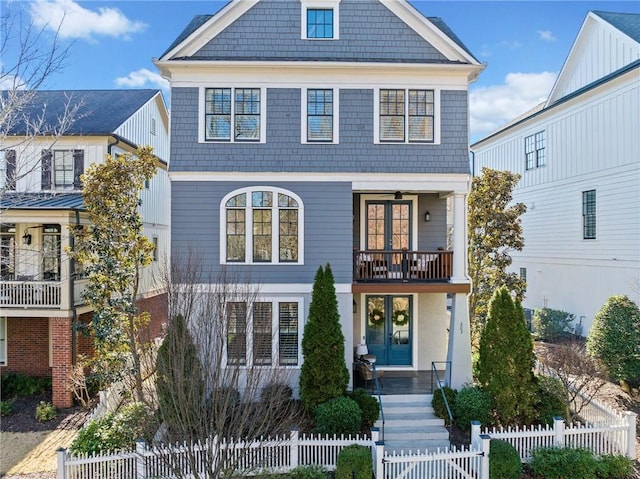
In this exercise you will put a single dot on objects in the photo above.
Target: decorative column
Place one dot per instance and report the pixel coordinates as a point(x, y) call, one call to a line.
point(459, 351)
point(459, 273)
point(61, 361)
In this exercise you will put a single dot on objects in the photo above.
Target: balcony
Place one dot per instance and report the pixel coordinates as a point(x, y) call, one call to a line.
point(402, 266)
point(30, 294)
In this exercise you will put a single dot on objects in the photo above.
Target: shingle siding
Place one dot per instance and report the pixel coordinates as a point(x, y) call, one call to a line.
point(368, 32)
point(328, 229)
point(283, 150)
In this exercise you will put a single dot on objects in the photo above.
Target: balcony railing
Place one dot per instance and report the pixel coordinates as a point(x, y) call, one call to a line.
point(32, 294)
point(402, 266)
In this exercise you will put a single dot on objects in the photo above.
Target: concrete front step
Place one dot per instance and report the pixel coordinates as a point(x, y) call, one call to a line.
point(427, 432)
point(413, 420)
point(400, 398)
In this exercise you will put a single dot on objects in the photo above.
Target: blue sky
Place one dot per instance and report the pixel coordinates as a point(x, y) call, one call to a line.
point(524, 44)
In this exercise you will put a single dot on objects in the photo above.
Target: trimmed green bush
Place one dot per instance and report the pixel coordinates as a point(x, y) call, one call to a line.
point(368, 406)
point(552, 324)
point(280, 390)
point(308, 472)
point(563, 463)
point(614, 467)
point(472, 404)
point(19, 384)
point(338, 416)
point(438, 405)
point(504, 460)
point(6, 407)
point(45, 412)
point(324, 374)
point(549, 405)
point(356, 459)
point(614, 339)
point(115, 431)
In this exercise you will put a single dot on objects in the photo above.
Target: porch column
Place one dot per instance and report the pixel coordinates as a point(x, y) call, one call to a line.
point(459, 352)
point(459, 273)
point(61, 361)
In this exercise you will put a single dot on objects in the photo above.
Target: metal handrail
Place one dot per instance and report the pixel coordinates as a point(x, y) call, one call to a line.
point(434, 371)
point(377, 383)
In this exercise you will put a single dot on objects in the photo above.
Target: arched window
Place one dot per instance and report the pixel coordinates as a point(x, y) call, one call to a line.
point(261, 225)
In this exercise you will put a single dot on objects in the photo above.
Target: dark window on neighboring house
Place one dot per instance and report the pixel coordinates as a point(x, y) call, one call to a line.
point(319, 115)
point(234, 110)
point(319, 23)
point(8, 170)
point(523, 277)
point(7, 251)
point(61, 169)
point(534, 150)
point(154, 240)
point(589, 214)
point(51, 251)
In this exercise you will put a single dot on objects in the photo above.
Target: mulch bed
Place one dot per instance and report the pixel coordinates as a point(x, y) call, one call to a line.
point(23, 416)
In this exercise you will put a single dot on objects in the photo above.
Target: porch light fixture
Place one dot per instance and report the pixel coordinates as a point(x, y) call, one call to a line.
point(397, 195)
point(26, 238)
point(427, 217)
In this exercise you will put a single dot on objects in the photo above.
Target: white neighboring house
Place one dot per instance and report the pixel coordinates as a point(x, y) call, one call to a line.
point(578, 155)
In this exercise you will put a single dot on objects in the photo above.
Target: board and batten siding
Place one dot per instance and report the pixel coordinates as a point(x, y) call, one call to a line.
point(283, 150)
point(328, 217)
point(137, 128)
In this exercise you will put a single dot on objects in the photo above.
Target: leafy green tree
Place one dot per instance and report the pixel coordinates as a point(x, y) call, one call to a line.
point(112, 251)
point(506, 360)
point(324, 375)
point(494, 231)
point(614, 338)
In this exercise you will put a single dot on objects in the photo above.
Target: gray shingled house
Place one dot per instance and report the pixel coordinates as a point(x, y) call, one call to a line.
point(306, 132)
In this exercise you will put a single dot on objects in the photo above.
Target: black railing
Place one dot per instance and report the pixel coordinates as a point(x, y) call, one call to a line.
point(376, 381)
point(402, 265)
point(441, 384)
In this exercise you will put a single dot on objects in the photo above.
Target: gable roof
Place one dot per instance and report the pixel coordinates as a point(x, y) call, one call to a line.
point(627, 23)
point(217, 37)
point(101, 112)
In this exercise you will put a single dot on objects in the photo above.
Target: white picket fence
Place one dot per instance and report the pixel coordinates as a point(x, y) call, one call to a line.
point(616, 437)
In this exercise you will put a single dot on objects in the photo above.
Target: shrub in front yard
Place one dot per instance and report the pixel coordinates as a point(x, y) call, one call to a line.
point(308, 472)
point(45, 411)
point(614, 467)
point(614, 338)
point(19, 384)
point(472, 404)
point(438, 405)
point(368, 405)
point(552, 324)
point(504, 460)
point(549, 405)
point(6, 407)
point(354, 459)
point(338, 416)
point(563, 463)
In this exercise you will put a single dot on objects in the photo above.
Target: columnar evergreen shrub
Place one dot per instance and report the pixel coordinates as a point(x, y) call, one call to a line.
point(614, 338)
point(505, 365)
point(472, 404)
point(354, 462)
point(504, 460)
point(552, 324)
point(338, 416)
point(324, 374)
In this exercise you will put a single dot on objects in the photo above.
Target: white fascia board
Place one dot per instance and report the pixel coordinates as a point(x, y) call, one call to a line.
point(210, 29)
point(263, 289)
point(361, 182)
point(427, 30)
point(187, 73)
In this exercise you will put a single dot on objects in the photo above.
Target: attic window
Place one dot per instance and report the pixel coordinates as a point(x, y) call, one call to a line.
point(320, 19)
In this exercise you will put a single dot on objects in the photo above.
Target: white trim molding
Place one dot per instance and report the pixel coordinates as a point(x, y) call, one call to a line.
point(304, 112)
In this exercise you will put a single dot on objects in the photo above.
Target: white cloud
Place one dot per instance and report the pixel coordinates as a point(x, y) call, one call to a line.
point(143, 78)
point(494, 106)
point(546, 35)
point(75, 21)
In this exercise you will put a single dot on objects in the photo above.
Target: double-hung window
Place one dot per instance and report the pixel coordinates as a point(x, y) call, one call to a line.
point(62, 169)
point(51, 252)
point(263, 333)
point(534, 150)
point(261, 225)
point(7, 170)
point(589, 214)
point(233, 114)
point(320, 110)
point(320, 19)
point(406, 116)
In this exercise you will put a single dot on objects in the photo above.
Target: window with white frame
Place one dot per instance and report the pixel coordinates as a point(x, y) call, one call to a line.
point(534, 150)
point(7, 170)
point(589, 214)
point(261, 225)
point(62, 169)
point(320, 19)
point(3, 341)
point(320, 111)
point(233, 114)
point(51, 250)
point(406, 115)
point(264, 333)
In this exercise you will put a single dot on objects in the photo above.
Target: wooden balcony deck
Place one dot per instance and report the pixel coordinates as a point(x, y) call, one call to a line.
point(402, 266)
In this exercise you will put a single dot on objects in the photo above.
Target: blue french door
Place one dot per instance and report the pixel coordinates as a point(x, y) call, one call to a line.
point(389, 329)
